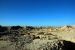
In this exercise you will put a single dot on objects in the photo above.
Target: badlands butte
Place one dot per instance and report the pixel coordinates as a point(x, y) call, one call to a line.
point(37, 38)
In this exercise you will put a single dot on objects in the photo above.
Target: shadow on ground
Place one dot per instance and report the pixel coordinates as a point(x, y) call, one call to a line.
point(68, 45)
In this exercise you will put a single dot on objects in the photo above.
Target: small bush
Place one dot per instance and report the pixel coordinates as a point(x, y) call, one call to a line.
point(29, 28)
point(41, 33)
point(16, 27)
point(3, 29)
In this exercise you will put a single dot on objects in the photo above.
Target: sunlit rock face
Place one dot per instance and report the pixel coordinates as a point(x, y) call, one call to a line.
point(68, 28)
point(29, 42)
point(38, 44)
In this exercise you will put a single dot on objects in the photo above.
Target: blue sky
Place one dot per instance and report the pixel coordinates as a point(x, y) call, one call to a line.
point(37, 12)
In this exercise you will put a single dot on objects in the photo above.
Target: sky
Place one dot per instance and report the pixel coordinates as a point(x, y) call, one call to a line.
point(37, 12)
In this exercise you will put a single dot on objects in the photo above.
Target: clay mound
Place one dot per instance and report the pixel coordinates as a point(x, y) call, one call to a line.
point(68, 28)
point(73, 26)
